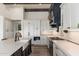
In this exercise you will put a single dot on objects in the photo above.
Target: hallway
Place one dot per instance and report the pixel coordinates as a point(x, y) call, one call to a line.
point(40, 51)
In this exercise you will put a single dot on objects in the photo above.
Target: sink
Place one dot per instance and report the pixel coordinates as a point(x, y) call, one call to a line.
point(56, 38)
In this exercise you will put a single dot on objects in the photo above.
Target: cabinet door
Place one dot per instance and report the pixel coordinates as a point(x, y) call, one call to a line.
point(17, 13)
point(1, 27)
point(25, 28)
point(54, 49)
point(44, 40)
point(18, 52)
point(51, 48)
point(27, 50)
point(74, 15)
point(66, 16)
point(44, 27)
point(59, 52)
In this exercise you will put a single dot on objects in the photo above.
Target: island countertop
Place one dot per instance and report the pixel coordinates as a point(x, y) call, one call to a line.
point(9, 46)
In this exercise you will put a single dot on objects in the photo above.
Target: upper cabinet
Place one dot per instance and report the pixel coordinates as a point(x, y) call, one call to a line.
point(70, 15)
point(11, 12)
point(75, 15)
point(17, 13)
point(4, 11)
point(1, 27)
point(65, 15)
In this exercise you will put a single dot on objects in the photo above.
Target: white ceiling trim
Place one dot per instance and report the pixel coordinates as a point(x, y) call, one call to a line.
point(29, 6)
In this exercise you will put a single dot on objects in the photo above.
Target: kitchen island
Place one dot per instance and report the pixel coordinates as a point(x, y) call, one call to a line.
point(11, 48)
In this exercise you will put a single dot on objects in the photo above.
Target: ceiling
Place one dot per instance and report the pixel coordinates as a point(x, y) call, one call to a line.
point(29, 5)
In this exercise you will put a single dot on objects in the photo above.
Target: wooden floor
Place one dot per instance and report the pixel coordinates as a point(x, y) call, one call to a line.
point(39, 51)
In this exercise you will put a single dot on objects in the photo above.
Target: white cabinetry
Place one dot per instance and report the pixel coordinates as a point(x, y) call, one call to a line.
point(70, 15)
point(74, 15)
point(57, 51)
point(17, 13)
point(44, 27)
point(44, 40)
point(65, 15)
point(8, 28)
point(5, 28)
point(1, 27)
point(31, 28)
point(54, 49)
point(4, 11)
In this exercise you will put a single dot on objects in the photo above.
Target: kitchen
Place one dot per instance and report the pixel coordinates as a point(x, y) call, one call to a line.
point(39, 29)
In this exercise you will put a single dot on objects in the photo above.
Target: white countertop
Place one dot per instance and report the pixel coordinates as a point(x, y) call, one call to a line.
point(68, 47)
point(9, 46)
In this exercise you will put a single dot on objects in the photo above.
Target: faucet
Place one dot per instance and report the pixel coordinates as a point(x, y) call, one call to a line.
point(17, 36)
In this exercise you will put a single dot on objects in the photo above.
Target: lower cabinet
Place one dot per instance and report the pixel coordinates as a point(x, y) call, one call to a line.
point(29, 48)
point(54, 50)
point(51, 48)
point(59, 52)
point(27, 51)
point(18, 52)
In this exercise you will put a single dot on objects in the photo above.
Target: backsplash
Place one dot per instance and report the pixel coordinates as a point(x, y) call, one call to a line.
point(74, 36)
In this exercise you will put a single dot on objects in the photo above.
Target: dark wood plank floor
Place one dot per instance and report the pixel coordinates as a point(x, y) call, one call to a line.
point(39, 51)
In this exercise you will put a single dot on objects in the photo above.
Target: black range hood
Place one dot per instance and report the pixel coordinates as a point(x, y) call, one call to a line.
point(53, 25)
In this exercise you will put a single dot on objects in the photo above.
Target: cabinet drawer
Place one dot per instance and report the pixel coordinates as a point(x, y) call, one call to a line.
point(60, 53)
point(25, 52)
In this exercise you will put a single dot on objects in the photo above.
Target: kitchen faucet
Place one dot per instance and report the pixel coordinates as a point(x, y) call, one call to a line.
point(17, 36)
